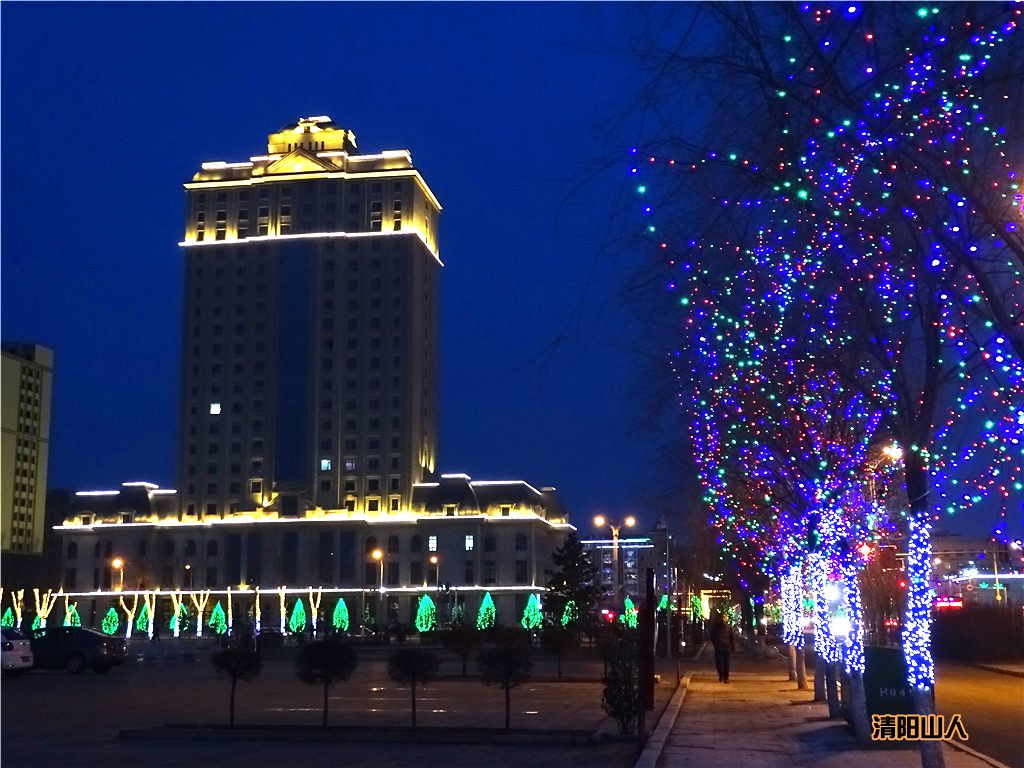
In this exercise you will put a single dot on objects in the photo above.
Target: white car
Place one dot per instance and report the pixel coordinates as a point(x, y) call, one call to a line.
point(17, 651)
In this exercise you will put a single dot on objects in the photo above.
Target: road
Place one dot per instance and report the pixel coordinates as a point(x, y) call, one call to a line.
point(992, 706)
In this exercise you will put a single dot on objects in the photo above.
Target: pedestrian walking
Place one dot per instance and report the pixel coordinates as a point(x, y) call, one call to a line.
point(156, 632)
point(723, 638)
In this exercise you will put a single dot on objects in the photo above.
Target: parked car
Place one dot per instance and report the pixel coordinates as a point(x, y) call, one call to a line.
point(77, 648)
point(17, 651)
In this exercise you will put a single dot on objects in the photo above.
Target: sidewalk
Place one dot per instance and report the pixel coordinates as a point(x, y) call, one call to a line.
point(760, 720)
point(1006, 668)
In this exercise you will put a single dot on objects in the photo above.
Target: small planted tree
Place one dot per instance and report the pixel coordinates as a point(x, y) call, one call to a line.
point(506, 665)
point(556, 640)
point(325, 662)
point(460, 639)
point(570, 615)
point(340, 618)
point(297, 622)
point(532, 617)
point(621, 696)
point(238, 662)
point(412, 667)
point(485, 617)
point(426, 615)
point(110, 622)
point(218, 620)
point(142, 620)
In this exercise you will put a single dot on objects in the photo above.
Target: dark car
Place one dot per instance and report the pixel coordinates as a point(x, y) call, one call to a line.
point(76, 648)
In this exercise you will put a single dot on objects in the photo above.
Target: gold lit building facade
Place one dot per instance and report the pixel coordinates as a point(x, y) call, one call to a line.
point(310, 350)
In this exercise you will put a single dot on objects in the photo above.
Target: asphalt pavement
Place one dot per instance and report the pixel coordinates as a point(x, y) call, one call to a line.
point(992, 707)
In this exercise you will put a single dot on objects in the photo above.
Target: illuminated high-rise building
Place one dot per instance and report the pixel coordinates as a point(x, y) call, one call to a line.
point(27, 379)
point(309, 359)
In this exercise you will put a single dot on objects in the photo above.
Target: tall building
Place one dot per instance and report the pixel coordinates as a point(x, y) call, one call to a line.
point(310, 362)
point(27, 381)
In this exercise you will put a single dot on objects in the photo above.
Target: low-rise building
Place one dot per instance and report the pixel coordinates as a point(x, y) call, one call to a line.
point(458, 540)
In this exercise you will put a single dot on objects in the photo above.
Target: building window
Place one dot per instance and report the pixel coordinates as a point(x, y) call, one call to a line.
point(373, 505)
point(256, 486)
point(490, 572)
point(520, 542)
point(469, 579)
point(350, 465)
point(416, 544)
point(395, 501)
point(215, 409)
point(520, 572)
point(325, 465)
point(469, 542)
point(415, 572)
point(489, 543)
point(393, 574)
point(450, 509)
point(506, 510)
point(432, 543)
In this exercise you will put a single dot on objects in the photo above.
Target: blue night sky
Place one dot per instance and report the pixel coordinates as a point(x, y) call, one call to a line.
point(513, 112)
point(108, 109)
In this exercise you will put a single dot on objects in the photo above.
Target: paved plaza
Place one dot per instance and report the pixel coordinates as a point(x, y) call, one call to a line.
point(52, 718)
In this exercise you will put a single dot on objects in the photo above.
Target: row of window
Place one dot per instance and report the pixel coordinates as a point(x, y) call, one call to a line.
point(306, 191)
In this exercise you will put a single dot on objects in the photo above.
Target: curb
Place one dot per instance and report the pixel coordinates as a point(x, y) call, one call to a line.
point(999, 670)
point(975, 753)
point(656, 742)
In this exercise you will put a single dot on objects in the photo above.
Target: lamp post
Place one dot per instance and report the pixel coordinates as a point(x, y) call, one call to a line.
point(435, 561)
point(378, 555)
point(601, 521)
point(188, 572)
point(118, 564)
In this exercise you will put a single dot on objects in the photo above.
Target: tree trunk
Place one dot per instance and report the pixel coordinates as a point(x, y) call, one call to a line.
point(508, 709)
point(832, 691)
point(918, 579)
point(413, 703)
point(819, 679)
point(791, 661)
point(801, 669)
point(858, 708)
point(231, 709)
point(326, 688)
point(931, 751)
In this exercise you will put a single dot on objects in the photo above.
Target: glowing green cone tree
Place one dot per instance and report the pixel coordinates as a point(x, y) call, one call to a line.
point(629, 614)
point(142, 620)
point(8, 618)
point(571, 614)
point(426, 615)
point(340, 618)
point(297, 622)
point(110, 622)
point(486, 615)
point(532, 617)
point(218, 620)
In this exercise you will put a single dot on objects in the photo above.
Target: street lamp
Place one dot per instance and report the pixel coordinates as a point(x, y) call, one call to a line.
point(435, 561)
point(188, 571)
point(601, 521)
point(378, 555)
point(118, 563)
